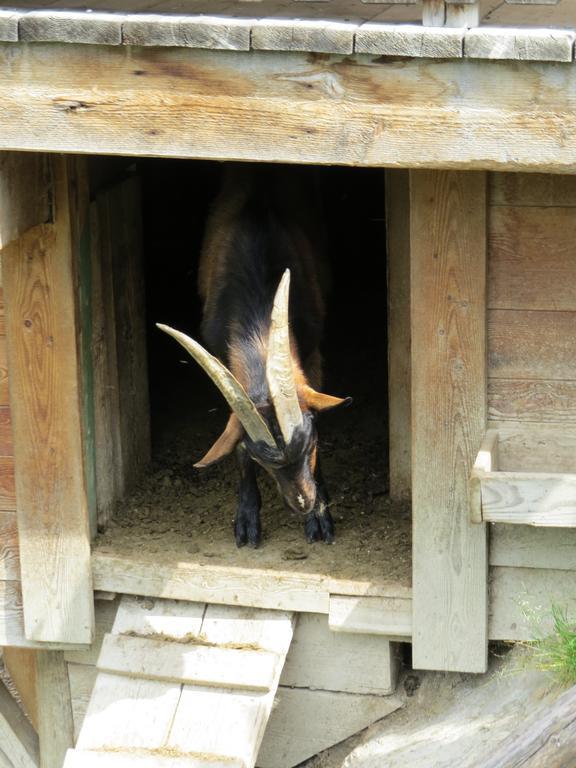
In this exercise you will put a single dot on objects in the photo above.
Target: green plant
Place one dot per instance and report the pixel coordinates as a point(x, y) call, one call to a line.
point(556, 652)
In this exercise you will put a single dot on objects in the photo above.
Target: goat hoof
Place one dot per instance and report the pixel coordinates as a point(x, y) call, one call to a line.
point(319, 528)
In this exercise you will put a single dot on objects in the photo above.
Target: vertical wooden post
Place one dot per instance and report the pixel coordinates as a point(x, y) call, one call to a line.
point(45, 394)
point(55, 723)
point(448, 308)
point(398, 248)
point(462, 14)
point(433, 13)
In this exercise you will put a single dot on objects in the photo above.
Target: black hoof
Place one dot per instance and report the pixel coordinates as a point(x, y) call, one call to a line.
point(247, 533)
point(319, 527)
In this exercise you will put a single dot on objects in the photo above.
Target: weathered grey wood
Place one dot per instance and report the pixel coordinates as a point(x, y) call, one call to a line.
point(521, 600)
point(463, 14)
point(194, 663)
point(142, 759)
point(55, 722)
point(531, 189)
point(9, 25)
point(186, 31)
point(409, 40)
point(486, 461)
point(305, 722)
point(448, 263)
point(303, 35)
point(388, 616)
point(18, 739)
point(104, 613)
point(433, 13)
point(529, 499)
point(71, 27)
point(229, 103)
point(511, 43)
point(39, 271)
point(398, 252)
point(321, 659)
point(544, 740)
point(25, 193)
point(528, 547)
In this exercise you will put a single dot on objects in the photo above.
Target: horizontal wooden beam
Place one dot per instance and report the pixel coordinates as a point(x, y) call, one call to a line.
point(287, 107)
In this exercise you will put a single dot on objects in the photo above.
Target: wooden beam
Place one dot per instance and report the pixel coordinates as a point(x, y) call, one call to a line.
point(18, 740)
point(448, 269)
point(21, 666)
point(41, 320)
point(55, 722)
point(287, 107)
point(25, 193)
point(398, 253)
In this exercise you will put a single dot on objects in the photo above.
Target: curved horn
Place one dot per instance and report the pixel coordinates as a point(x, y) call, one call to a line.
point(230, 387)
point(279, 369)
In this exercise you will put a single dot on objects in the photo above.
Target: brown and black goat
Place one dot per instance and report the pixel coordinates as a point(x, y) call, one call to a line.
point(263, 309)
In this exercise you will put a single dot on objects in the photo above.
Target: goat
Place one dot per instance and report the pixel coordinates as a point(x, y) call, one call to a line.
point(261, 239)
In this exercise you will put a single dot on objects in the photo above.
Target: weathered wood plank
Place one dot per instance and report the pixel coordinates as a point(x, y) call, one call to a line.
point(129, 714)
point(9, 19)
point(545, 740)
point(108, 467)
point(321, 659)
point(519, 43)
point(38, 277)
point(200, 32)
point(17, 736)
point(463, 14)
point(55, 723)
point(303, 35)
point(524, 498)
point(242, 105)
point(532, 258)
point(398, 252)
point(25, 193)
point(69, 26)
point(145, 617)
point(125, 213)
point(448, 252)
point(388, 616)
point(532, 401)
point(142, 759)
point(4, 385)
point(410, 40)
point(9, 559)
point(521, 600)
point(535, 447)
point(269, 630)
point(12, 619)
point(528, 547)
point(261, 589)
point(21, 666)
point(539, 189)
point(6, 441)
point(531, 345)
point(7, 484)
point(195, 664)
point(306, 722)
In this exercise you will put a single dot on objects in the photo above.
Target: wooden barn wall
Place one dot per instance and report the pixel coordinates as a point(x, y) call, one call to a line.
point(532, 370)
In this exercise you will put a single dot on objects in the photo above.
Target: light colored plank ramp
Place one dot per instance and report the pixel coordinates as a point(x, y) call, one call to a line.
point(183, 684)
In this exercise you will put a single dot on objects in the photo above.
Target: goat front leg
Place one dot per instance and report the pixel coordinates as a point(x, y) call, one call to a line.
point(318, 524)
point(247, 526)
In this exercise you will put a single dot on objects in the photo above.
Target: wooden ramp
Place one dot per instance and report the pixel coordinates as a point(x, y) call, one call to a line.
point(183, 685)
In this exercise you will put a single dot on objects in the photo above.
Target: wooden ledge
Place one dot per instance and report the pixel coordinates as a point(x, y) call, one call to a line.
point(313, 35)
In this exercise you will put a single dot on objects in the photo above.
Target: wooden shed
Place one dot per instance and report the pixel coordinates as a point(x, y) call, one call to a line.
point(445, 134)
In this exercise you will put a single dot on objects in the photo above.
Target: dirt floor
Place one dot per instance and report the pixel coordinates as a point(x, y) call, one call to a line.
point(180, 512)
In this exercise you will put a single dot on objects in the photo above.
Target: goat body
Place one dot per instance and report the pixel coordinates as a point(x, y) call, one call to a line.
point(262, 282)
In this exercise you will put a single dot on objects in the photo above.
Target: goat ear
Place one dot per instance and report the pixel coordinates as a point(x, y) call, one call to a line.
point(225, 444)
point(317, 401)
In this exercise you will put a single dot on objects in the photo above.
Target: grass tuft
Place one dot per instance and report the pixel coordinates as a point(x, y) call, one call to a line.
point(556, 653)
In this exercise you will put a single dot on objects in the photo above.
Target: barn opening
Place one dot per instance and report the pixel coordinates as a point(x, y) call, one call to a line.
point(176, 511)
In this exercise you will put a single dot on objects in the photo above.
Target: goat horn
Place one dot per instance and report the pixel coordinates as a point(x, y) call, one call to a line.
point(279, 369)
point(230, 387)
